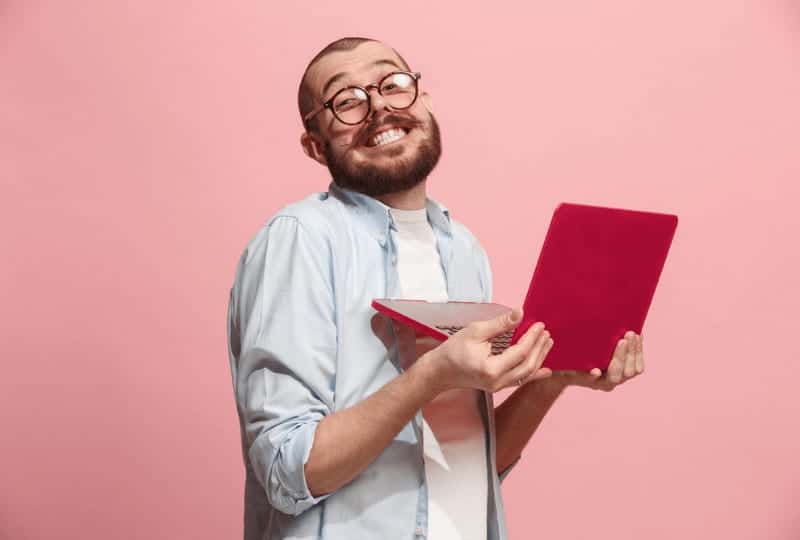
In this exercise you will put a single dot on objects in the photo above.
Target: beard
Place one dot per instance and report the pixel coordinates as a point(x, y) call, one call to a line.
point(403, 174)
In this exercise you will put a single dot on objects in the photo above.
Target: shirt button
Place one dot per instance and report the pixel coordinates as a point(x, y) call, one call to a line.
point(394, 259)
point(418, 531)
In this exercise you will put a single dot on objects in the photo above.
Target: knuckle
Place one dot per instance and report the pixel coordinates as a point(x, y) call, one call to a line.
point(532, 363)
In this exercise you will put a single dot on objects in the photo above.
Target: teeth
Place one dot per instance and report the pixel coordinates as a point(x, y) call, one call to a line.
point(388, 136)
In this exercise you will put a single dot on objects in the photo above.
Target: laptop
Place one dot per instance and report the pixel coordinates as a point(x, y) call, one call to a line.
point(594, 280)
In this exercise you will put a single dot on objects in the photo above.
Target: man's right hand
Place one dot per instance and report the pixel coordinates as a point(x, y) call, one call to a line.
point(465, 360)
point(347, 441)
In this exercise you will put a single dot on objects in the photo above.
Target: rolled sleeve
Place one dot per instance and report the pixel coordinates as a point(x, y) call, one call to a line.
point(284, 368)
point(282, 465)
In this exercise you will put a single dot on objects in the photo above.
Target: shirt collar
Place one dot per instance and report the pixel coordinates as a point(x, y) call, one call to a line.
point(376, 216)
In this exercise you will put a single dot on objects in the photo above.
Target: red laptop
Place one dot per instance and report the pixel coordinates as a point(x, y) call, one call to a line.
point(594, 280)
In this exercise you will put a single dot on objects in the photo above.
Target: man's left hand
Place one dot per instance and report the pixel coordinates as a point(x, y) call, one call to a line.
point(627, 363)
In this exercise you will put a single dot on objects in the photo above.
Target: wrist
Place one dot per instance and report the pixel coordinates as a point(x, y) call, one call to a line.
point(428, 369)
point(550, 387)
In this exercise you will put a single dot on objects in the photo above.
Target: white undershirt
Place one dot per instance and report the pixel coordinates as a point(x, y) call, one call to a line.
point(454, 436)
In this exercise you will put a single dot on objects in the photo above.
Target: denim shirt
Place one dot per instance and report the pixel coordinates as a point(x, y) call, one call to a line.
point(304, 342)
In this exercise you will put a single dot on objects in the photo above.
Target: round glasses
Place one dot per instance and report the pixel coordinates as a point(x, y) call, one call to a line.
point(352, 105)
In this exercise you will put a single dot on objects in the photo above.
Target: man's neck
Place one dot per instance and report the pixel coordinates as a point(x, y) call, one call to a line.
point(411, 199)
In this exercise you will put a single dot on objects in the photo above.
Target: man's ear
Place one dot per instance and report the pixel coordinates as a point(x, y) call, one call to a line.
point(427, 101)
point(313, 147)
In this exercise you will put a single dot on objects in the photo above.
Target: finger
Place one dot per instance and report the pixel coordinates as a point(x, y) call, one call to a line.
point(543, 352)
point(581, 378)
point(630, 356)
point(614, 372)
point(539, 374)
point(639, 356)
point(525, 369)
point(485, 330)
point(543, 347)
point(514, 355)
point(589, 379)
point(516, 375)
point(594, 372)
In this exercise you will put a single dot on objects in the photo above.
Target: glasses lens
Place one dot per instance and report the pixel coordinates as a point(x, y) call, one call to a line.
point(399, 90)
point(351, 105)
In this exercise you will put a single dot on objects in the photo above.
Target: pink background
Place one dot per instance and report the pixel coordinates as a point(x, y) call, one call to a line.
point(143, 143)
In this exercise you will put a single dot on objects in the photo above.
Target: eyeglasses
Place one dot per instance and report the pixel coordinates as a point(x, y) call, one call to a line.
point(352, 105)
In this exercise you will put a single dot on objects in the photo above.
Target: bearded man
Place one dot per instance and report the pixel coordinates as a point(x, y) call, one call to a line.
point(353, 428)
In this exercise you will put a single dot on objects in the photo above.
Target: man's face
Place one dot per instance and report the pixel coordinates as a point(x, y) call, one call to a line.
point(357, 159)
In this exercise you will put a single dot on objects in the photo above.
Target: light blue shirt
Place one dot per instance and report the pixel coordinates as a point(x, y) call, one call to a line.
point(304, 342)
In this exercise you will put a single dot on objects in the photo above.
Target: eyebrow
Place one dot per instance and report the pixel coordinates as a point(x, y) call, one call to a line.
point(341, 75)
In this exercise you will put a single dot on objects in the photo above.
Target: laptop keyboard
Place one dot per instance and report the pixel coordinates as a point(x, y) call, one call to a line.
point(499, 343)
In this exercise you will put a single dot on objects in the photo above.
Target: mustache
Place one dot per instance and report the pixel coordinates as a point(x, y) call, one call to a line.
point(391, 119)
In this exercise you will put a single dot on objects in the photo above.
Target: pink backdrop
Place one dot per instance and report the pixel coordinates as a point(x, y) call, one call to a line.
point(143, 143)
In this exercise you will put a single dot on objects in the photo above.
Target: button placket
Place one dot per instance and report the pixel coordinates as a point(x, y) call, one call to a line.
point(392, 278)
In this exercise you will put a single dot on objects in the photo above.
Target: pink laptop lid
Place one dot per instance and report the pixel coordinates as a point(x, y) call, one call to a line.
point(595, 279)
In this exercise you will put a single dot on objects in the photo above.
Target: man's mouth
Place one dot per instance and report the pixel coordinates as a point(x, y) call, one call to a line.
point(387, 136)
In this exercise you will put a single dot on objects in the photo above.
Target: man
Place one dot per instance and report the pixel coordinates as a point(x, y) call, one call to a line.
point(351, 427)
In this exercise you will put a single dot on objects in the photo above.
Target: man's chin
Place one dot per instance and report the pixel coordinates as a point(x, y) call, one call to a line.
point(376, 181)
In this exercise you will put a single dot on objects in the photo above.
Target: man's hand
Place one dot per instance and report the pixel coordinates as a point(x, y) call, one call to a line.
point(627, 363)
point(465, 360)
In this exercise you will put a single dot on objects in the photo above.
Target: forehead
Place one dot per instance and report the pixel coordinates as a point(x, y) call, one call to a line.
point(356, 66)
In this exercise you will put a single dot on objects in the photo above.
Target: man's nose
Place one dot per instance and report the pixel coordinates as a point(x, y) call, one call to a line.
point(378, 103)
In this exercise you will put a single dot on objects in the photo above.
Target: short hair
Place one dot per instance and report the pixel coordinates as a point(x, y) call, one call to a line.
point(305, 94)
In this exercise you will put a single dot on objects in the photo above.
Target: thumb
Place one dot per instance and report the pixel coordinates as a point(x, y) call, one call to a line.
point(485, 330)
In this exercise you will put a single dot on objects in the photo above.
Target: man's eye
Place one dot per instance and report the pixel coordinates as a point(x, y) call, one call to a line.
point(347, 104)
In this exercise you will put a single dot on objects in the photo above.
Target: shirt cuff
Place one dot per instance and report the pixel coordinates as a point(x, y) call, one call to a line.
point(284, 474)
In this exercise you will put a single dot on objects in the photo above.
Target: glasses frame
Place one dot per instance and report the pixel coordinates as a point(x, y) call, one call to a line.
point(415, 76)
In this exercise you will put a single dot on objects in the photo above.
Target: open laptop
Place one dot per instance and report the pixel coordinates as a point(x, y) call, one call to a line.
point(595, 279)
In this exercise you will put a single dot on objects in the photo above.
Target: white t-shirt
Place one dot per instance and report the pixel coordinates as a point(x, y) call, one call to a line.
point(454, 435)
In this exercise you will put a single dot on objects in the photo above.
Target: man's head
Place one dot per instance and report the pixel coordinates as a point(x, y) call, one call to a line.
point(358, 156)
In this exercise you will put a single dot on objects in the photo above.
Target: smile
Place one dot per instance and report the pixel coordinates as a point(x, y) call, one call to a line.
point(387, 137)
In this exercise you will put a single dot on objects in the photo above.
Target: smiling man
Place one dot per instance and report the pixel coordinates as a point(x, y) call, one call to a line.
point(352, 427)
